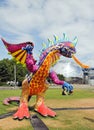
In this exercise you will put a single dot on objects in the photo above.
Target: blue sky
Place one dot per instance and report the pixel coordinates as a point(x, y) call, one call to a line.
point(38, 20)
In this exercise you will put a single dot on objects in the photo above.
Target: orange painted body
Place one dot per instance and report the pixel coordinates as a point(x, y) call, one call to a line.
point(38, 82)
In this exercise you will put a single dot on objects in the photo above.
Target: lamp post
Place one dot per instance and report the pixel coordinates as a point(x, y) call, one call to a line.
point(85, 76)
point(15, 74)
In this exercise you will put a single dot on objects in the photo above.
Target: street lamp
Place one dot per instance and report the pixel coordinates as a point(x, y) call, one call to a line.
point(15, 74)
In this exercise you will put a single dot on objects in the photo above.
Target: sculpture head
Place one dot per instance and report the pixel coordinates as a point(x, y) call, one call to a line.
point(67, 49)
point(64, 46)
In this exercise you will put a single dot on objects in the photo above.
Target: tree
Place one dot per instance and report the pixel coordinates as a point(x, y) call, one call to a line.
point(21, 72)
point(7, 70)
point(61, 76)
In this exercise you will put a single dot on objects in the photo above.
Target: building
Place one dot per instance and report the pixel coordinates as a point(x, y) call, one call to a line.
point(70, 70)
point(88, 76)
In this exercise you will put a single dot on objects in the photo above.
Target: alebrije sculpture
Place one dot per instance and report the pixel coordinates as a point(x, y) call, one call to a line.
point(36, 82)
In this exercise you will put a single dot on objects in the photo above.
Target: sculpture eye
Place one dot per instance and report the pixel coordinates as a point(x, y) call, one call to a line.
point(63, 51)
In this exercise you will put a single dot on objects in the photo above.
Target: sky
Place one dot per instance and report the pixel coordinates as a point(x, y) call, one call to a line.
point(38, 20)
point(69, 69)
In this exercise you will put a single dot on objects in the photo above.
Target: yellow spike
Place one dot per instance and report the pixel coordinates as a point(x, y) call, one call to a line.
point(24, 58)
point(44, 45)
point(50, 41)
point(20, 55)
point(16, 52)
point(56, 38)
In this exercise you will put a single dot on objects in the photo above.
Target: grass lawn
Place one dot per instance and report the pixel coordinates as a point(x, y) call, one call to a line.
point(65, 119)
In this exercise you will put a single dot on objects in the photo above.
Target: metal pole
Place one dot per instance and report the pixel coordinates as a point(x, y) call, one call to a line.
point(15, 74)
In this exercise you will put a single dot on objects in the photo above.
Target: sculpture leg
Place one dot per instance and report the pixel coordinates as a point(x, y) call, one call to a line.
point(23, 107)
point(41, 108)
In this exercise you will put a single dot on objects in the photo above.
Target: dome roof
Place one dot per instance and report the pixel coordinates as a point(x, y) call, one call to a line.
point(68, 69)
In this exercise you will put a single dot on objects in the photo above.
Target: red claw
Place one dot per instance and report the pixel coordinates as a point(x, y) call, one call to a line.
point(45, 111)
point(22, 112)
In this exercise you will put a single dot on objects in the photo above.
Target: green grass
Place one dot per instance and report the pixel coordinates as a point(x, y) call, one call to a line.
point(5, 94)
point(78, 94)
point(50, 94)
point(26, 128)
point(68, 119)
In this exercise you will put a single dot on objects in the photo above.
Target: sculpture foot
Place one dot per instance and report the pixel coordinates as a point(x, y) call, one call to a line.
point(22, 112)
point(45, 111)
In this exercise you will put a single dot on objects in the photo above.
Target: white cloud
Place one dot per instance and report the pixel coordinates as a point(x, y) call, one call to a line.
point(38, 20)
point(68, 69)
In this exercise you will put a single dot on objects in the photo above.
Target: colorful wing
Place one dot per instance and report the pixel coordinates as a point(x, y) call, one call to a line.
point(19, 51)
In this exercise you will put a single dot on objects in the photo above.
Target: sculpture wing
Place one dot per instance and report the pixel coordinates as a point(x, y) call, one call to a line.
point(18, 51)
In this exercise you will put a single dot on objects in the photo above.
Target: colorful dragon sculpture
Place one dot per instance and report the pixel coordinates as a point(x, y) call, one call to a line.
point(36, 82)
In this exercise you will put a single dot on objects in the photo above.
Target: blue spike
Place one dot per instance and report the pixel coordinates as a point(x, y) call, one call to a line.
point(65, 38)
point(75, 41)
point(56, 38)
point(50, 42)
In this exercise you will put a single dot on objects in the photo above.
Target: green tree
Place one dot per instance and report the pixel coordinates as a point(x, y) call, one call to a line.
point(61, 76)
point(20, 72)
point(7, 70)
